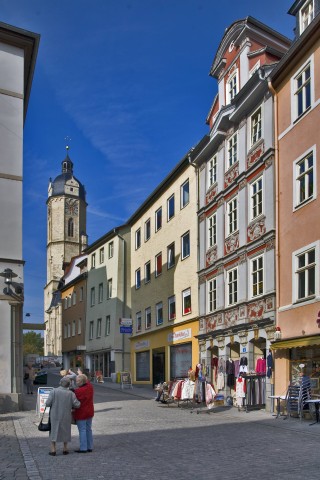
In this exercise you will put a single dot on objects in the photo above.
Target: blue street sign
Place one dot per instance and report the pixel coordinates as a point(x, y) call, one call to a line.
point(125, 329)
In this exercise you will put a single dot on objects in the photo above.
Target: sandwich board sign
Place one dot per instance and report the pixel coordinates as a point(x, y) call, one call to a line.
point(42, 396)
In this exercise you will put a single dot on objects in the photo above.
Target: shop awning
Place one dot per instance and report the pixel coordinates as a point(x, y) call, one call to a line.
point(296, 342)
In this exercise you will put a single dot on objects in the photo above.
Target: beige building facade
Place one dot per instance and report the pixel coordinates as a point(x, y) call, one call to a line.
point(296, 84)
point(164, 283)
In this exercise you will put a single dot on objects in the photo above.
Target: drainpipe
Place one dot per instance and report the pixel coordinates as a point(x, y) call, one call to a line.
point(123, 288)
point(276, 160)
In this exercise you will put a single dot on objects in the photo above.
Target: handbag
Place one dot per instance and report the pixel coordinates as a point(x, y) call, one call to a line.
point(44, 427)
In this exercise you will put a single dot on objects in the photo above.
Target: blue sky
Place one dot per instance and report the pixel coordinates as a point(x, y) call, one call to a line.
point(128, 81)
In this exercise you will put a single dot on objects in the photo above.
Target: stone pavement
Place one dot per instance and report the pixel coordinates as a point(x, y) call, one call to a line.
point(137, 438)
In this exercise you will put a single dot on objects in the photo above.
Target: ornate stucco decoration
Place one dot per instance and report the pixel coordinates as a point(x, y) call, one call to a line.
point(221, 342)
point(211, 255)
point(242, 184)
point(270, 331)
point(256, 229)
point(231, 243)
point(211, 323)
point(256, 310)
point(243, 337)
point(211, 193)
point(255, 155)
point(231, 175)
point(231, 317)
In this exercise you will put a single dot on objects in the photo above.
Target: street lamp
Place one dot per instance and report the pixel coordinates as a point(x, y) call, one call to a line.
point(8, 275)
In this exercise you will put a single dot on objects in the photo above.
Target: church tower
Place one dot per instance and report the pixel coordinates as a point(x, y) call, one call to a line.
point(66, 238)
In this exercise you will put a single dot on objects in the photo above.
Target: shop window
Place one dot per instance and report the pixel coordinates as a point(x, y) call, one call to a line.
point(180, 360)
point(143, 366)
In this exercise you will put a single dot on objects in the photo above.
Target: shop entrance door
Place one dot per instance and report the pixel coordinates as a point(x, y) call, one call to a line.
point(158, 368)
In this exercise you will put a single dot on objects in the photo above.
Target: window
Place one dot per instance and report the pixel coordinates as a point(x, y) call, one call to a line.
point(147, 272)
point(304, 175)
point(65, 331)
point(159, 313)
point(212, 295)
point(79, 326)
point(186, 302)
point(110, 250)
point(69, 330)
point(81, 294)
point(73, 328)
point(99, 322)
point(170, 208)
point(212, 230)
point(232, 216)
point(100, 300)
point(69, 301)
point(257, 276)
point(158, 269)
point(138, 278)
point(185, 245)
point(148, 317)
point(256, 198)
point(184, 194)
point(172, 307)
point(232, 286)
point(138, 238)
point(306, 15)
point(232, 149)
point(70, 227)
point(138, 322)
point(147, 230)
point(212, 171)
point(110, 288)
point(101, 255)
point(158, 219)
point(92, 296)
point(256, 126)
point(305, 274)
point(107, 330)
point(302, 90)
point(170, 256)
point(91, 326)
point(232, 87)
point(93, 260)
point(74, 298)
point(66, 303)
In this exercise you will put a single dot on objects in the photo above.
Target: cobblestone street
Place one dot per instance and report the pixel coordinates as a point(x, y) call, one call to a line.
point(137, 438)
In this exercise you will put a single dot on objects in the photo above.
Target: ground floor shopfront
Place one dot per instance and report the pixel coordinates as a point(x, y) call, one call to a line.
point(240, 351)
point(165, 354)
point(108, 362)
point(74, 359)
point(295, 357)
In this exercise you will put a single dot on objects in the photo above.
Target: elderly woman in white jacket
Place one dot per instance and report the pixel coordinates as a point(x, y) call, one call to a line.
point(61, 401)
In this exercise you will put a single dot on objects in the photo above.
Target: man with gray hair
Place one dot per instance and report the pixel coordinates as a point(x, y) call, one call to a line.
point(61, 401)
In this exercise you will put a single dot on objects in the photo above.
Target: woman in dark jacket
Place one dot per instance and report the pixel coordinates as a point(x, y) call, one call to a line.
point(83, 415)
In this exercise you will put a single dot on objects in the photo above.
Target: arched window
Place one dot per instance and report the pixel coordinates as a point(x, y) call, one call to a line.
point(70, 227)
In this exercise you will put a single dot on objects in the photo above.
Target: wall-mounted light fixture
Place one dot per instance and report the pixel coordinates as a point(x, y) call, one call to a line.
point(8, 276)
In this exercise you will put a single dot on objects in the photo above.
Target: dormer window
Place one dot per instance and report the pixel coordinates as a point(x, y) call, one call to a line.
point(306, 15)
point(232, 86)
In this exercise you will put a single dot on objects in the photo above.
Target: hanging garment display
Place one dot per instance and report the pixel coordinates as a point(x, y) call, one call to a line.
point(230, 373)
point(220, 381)
point(240, 391)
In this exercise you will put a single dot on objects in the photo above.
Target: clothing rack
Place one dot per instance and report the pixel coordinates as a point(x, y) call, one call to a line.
point(255, 398)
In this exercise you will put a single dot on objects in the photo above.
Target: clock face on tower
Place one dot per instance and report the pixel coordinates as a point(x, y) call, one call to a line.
point(71, 207)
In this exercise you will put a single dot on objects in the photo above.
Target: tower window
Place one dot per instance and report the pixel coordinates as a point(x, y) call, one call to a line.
point(70, 227)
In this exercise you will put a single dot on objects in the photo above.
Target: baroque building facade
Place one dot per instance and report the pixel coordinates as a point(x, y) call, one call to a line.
point(236, 213)
point(66, 238)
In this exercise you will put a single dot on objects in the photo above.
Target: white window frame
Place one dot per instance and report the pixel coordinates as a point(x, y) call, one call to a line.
point(147, 278)
point(232, 282)
point(232, 86)
point(169, 203)
point(138, 322)
point(147, 314)
point(138, 238)
point(186, 310)
point(295, 269)
point(256, 126)
point(138, 278)
point(92, 296)
point(99, 327)
point(158, 219)
point(69, 330)
point(147, 229)
point(109, 288)
point(91, 329)
point(185, 239)
point(79, 326)
point(171, 255)
point(73, 328)
point(100, 293)
point(101, 255)
point(256, 198)
point(110, 250)
point(159, 308)
point(297, 177)
point(184, 201)
point(212, 171)
point(232, 216)
point(295, 90)
point(107, 329)
point(212, 230)
point(172, 300)
point(93, 260)
point(257, 276)
point(306, 15)
point(212, 295)
point(232, 151)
